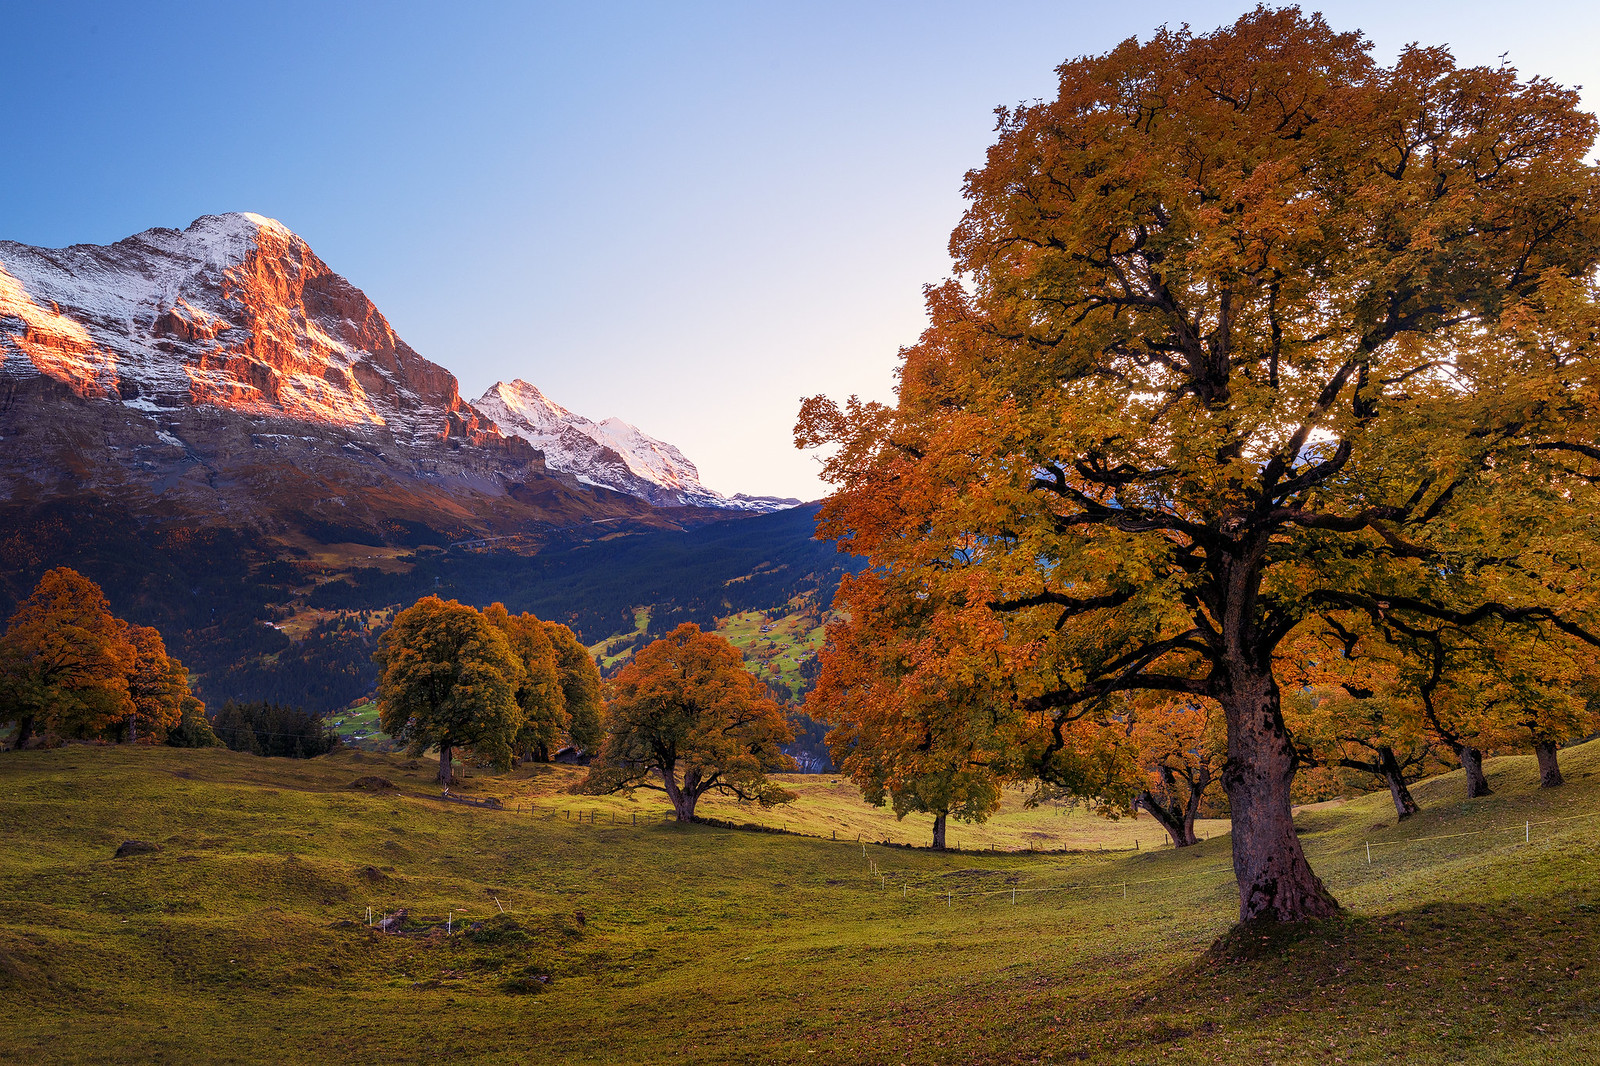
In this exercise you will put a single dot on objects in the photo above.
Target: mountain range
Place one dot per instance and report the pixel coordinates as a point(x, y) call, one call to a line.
point(226, 372)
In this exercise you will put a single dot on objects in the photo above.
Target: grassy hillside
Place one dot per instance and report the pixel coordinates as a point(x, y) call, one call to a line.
point(244, 939)
point(777, 644)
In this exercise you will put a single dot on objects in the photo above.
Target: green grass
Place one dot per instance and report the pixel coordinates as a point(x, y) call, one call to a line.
point(774, 645)
point(358, 727)
point(244, 939)
point(618, 647)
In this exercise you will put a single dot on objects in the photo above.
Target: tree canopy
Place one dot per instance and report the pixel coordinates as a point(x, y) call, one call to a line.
point(537, 684)
point(580, 686)
point(449, 679)
point(686, 718)
point(1249, 330)
point(910, 729)
point(72, 668)
point(448, 670)
point(1179, 747)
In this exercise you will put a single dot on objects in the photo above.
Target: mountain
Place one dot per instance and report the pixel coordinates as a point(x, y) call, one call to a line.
point(224, 372)
point(613, 454)
point(230, 439)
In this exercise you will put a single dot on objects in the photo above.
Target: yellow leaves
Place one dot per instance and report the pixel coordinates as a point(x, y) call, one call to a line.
point(450, 677)
point(1255, 332)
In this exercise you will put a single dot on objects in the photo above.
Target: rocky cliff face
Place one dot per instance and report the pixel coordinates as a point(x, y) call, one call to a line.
point(234, 313)
point(226, 371)
point(613, 454)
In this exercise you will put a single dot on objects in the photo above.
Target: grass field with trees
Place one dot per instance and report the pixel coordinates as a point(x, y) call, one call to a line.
point(245, 938)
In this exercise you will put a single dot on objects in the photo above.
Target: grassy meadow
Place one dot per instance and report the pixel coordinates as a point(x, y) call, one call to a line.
point(597, 933)
point(774, 644)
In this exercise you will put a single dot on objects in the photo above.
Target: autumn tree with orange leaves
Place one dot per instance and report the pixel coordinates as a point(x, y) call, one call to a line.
point(158, 686)
point(70, 667)
point(1180, 746)
point(910, 727)
point(685, 717)
point(1249, 330)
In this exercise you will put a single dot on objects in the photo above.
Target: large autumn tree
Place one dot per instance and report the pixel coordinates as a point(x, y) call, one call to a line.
point(65, 661)
point(449, 678)
point(686, 718)
point(1249, 328)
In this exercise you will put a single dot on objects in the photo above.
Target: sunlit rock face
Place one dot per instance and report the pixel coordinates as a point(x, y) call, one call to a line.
point(235, 312)
point(612, 454)
point(225, 370)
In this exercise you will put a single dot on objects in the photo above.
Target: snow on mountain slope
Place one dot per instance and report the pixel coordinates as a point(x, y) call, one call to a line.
point(224, 374)
point(612, 453)
point(225, 369)
point(234, 312)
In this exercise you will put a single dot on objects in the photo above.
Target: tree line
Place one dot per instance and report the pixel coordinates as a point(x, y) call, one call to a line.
point(489, 683)
point(684, 717)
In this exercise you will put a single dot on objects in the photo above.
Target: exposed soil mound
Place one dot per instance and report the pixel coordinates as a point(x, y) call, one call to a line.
point(136, 847)
point(372, 783)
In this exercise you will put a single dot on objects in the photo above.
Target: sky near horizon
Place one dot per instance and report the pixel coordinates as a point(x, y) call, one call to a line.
point(686, 215)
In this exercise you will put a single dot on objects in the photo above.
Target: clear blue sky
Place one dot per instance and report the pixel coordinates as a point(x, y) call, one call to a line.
point(688, 215)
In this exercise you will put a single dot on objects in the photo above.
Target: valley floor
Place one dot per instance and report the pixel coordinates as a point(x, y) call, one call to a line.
point(596, 933)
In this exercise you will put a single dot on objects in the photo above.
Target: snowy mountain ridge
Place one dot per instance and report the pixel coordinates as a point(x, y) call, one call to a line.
point(193, 361)
point(613, 454)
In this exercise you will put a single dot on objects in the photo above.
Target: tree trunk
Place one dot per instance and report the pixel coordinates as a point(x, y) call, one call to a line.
point(1549, 768)
point(1276, 882)
point(1170, 820)
point(446, 776)
point(1472, 762)
point(1192, 809)
point(133, 729)
point(683, 798)
point(938, 831)
point(1404, 805)
point(24, 733)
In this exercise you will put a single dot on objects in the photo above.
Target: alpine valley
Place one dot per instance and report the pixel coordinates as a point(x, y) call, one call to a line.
point(231, 439)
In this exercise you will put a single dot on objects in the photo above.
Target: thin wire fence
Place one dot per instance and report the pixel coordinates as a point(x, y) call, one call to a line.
point(925, 885)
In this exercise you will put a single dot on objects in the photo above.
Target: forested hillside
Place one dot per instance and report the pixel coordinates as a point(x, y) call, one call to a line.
point(255, 620)
point(696, 576)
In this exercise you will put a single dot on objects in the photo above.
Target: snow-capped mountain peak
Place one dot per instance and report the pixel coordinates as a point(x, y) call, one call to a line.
point(612, 453)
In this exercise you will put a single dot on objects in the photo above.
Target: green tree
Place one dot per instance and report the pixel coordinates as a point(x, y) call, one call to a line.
point(65, 660)
point(538, 688)
point(448, 679)
point(1251, 329)
point(194, 728)
point(687, 713)
point(580, 687)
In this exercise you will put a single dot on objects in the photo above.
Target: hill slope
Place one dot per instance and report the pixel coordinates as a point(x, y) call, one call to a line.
point(244, 939)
